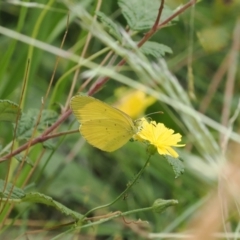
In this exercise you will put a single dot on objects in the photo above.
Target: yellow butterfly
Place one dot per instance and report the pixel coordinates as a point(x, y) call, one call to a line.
point(103, 126)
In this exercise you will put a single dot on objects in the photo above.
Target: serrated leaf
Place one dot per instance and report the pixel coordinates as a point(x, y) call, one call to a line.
point(9, 111)
point(111, 26)
point(177, 165)
point(36, 197)
point(155, 49)
point(28, 121)
point(18, 196)
point(141, 14)
point(15, 192)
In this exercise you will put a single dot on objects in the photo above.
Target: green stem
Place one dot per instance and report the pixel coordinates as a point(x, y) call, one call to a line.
point(158, 206)
point(123, 193)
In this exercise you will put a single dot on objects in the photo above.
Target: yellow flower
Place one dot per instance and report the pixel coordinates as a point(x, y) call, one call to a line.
point(164, 139)
point(133, 102)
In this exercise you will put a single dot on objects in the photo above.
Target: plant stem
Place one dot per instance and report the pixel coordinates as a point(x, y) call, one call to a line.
point(125, 191)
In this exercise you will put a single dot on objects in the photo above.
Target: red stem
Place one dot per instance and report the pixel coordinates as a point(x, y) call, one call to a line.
point(39, 139)
point(147, 36)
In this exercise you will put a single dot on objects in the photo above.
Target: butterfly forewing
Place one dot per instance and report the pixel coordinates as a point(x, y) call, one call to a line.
point(87, 108)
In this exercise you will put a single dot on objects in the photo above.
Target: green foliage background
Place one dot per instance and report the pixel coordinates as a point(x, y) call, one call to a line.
point(82, 177)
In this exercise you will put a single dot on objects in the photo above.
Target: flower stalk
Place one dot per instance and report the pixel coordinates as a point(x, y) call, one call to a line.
point(124, 192)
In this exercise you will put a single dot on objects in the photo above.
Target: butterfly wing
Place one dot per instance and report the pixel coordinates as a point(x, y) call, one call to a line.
point(87, 108)
point(103, 126)
point(107, 135)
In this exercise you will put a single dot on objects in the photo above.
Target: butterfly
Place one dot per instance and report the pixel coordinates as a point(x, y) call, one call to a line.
point(102, 125)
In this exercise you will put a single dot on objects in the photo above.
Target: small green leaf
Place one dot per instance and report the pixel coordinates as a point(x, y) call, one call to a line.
point(155, 49)
point(29, 120)
point(111, 26)
point(15, 192)
point(160, 205)
point(36, 197)
point(176, 164)
point(9, 111)
point(49, 144)
point(141, 14)
point(27, 160)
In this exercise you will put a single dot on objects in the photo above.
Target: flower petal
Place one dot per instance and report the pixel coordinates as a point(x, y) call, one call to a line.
point(161, 137)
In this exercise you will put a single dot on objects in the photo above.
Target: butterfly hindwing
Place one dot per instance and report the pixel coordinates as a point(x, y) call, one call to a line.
point(106, 134)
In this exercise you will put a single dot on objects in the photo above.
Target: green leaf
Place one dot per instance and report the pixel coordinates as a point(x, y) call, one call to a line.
point(155, 49)
point(27, 160)
point(176, 164)
point(160, 205)
point(15, 192)
point(9, 111)
point(49, 144)
point(29, 120)
point(111, 26)
point(36, 197)
point(141, 14)
point(18, 196)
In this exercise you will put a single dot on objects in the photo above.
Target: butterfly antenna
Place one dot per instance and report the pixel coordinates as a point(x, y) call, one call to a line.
point(149, 119)
point(154, 113)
